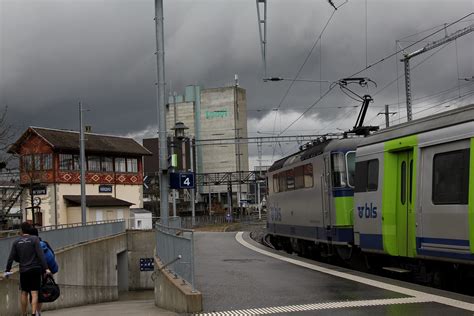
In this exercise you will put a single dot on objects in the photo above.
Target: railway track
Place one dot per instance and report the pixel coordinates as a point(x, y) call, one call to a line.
point(460, 286)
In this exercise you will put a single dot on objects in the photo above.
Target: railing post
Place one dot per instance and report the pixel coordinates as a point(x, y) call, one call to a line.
point(192, 262)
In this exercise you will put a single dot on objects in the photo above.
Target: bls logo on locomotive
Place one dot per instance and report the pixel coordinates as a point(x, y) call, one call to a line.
point(367, 211)
point(275, 213)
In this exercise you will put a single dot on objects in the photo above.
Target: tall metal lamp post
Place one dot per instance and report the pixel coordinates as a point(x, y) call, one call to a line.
point(179, 129)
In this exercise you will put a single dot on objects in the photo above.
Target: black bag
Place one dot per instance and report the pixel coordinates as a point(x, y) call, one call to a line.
point(49, 290)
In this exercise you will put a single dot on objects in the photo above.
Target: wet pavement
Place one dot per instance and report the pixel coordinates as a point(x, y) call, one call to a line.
point(234, 278)
point(129, 303)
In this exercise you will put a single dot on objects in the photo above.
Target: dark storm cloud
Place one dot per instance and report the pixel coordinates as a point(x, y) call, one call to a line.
point(55, 53)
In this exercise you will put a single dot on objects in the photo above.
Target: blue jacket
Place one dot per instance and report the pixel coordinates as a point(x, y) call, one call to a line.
point(49, 256)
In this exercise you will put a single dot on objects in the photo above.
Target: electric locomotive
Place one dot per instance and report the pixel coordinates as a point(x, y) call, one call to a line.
point(404, 195)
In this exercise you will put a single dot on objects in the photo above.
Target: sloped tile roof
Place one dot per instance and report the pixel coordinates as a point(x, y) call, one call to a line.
point(95, 143)
point(96, 200)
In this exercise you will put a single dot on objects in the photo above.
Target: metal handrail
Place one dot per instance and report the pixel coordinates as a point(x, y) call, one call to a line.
point(15, 232)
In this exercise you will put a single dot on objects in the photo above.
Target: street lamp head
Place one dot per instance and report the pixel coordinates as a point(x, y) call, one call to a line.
point(179, 129)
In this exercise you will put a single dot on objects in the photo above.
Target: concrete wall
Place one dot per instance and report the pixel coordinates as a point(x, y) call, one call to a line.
point(140, 244)
point(87, 275)
point(184, 113)
point(174, 295)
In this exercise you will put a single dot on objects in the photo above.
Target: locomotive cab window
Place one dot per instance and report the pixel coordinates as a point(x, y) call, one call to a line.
point(338, 170)
point(451, 177)
point(367, 176)
point(350, 166)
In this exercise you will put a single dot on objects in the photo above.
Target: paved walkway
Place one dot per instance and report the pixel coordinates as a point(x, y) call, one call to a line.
point(130, 303)
point(138, 307)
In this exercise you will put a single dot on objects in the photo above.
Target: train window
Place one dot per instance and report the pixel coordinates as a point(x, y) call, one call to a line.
point(350, 166)
point(308, 175)
point(411, 181)
point(372, 175)
point(403, 183)
point(299, 177)
point(451, 177)
point(366, 176)
point(338, 170)
point(282, 182)
point(361, 177)
point(275, 183)
point(290, 179)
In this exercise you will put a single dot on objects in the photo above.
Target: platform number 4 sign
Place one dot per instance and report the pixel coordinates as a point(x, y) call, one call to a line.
point(182, 180)
point(186, 180)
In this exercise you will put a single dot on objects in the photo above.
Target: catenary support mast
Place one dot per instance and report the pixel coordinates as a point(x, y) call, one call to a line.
point(406, 60)
point(160, 87)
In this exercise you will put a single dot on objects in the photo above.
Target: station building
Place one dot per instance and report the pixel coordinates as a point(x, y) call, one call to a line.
point(50, 175)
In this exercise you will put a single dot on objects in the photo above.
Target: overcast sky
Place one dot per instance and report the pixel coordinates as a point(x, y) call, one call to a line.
point(55, 53)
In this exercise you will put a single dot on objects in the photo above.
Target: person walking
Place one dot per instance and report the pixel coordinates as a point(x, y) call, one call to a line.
point(27, 251)
point(50, 258)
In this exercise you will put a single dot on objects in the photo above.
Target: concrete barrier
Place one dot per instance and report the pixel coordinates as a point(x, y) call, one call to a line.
point(88, 274)
point(174, 295)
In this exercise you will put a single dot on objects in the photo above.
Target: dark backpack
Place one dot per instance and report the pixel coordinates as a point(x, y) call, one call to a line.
point(49, 290)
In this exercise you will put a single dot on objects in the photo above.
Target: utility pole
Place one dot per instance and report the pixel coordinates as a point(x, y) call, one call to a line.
point(262, 31)
point(260, 151)
point(193, 192)
point(237, 136)
point(407, 56)
point(82, 167)
point(160, 103)
point(387, 115)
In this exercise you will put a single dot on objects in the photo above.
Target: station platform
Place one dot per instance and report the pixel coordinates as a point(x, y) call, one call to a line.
point(238, 276)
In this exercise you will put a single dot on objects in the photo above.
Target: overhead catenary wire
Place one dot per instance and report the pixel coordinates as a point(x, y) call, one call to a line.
point(370, 66)
point(411, 45)
point(441, 26)
point(457, 99)
point(412, 68)
point(305, 61)
point(434, 95)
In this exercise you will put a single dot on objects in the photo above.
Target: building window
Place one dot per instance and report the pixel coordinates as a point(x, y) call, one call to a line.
point(68, 162)
point(120, 165)
point(367, 176)
point(451, 177)
point(37, 162)
point(107, 164)
point(93, 163)
point(27, 163)
point(47, 161)
point(132, 165)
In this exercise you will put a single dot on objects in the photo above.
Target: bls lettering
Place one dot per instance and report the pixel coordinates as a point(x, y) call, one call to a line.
point(367, 211)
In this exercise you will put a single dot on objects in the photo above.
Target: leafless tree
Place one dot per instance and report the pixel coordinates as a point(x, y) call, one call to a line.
point(6, 138)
